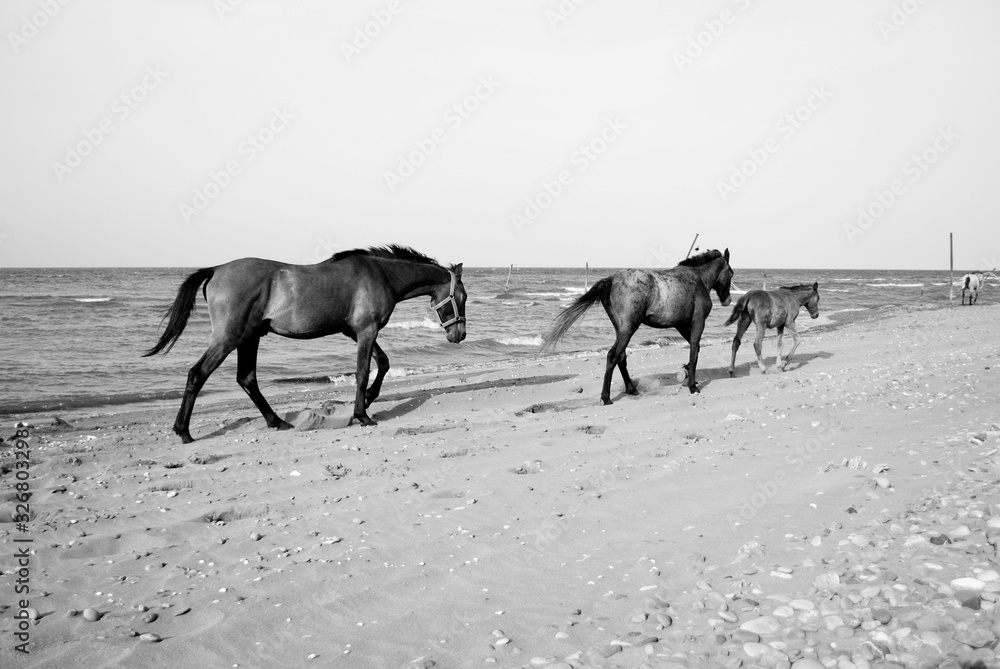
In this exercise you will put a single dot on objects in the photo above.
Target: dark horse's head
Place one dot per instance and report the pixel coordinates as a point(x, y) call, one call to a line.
point(712, 261)
point(448, 302)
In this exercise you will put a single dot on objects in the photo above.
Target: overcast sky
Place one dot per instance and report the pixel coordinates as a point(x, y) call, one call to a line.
point(847, 134)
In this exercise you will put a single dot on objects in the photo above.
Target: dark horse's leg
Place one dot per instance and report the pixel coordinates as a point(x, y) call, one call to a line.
point(366, 342)
point(616, 357)
point(741, 329)
point(692, 334)
point(382, 361)
point(197, 376)
point(246, 376)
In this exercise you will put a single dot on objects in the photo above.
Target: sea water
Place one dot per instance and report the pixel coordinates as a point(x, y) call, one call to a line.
point(74, 337)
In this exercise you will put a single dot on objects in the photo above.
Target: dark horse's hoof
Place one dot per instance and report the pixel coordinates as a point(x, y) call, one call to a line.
point(364, 420)
point(632, 391)
point(694, 389)
point(606, 401)
point(283, 425)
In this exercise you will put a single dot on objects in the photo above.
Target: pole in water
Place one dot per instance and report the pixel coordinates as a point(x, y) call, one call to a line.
point(586, 276)
point(507, 287)
point(692, 245)
point(951, 270)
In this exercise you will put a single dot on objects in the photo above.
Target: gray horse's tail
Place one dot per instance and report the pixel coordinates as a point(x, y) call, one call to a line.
point(741, 306)
point(177, 315)
point(599, 292)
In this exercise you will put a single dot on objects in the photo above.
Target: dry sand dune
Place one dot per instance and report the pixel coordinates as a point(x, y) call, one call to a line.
point(838, 514)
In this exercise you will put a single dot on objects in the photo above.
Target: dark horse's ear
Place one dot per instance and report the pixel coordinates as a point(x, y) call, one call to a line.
point(457, 269)
point(816, 286)
point(726, 255)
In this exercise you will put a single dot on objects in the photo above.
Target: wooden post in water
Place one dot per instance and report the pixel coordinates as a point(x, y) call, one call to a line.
point(951, 267)
point(586, 277)
point(507, 287)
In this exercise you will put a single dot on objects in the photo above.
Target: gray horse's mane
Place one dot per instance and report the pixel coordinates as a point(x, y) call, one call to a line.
point(700, 259)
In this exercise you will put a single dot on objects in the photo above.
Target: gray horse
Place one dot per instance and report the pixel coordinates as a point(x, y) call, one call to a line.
point(674, 298)
point(772, 309)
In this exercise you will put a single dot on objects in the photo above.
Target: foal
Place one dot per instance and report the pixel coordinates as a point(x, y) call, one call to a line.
point(772, 309)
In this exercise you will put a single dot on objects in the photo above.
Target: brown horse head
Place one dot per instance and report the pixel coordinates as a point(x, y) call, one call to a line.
point(448, 302)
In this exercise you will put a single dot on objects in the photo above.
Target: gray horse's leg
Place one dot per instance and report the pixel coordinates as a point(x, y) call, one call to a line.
point(692, 335)
point(246, 376)
point(616, 357)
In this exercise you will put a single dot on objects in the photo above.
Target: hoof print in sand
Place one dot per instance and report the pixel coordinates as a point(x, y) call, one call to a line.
point(592, 429)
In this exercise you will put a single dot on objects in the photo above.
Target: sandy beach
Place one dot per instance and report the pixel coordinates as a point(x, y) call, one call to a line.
point(842, 513)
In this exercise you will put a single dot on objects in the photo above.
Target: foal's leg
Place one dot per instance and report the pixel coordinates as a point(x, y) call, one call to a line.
point(616, 357)
point(246, 376)
point(366, 342)
point(741, 329)
point(758, 346)
point(197, 376)
point(795, 345)
point(781, 335)
point(382, 361)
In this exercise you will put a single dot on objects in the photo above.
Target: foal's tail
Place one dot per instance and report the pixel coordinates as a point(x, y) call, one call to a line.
point(599, 292)
point(177, 316)
point(738, 310)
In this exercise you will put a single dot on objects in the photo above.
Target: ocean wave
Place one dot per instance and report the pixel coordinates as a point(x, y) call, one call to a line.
point(895, 285)
point(519, 341)
point(91, 299)
point(426, 323)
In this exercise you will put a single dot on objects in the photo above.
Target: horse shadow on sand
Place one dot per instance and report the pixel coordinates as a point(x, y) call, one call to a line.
point(335, 414)
point(800, 360)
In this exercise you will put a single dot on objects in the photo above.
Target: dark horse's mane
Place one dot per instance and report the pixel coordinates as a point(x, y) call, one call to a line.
point(700, 259)
point(801, 286)
point(389, 252)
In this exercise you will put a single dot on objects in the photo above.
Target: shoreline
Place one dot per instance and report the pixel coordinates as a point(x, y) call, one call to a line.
point(27, 411)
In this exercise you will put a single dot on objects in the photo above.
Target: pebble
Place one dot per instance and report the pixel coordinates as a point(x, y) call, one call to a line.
point(151, 637)
point(762, 626)
point(807, 663)
point(91, 615)
point(973, 584)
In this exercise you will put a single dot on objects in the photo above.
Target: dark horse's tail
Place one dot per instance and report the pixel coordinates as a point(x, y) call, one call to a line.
point(741, 306)
point(599, 292)
point(177, 316)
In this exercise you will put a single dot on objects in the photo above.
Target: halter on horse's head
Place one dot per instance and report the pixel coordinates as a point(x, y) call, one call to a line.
point(450, 309)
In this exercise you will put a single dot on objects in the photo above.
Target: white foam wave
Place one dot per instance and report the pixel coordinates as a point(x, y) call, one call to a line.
point(426, 323)
point(520, 341)
point(895, 285)
point(92, 299)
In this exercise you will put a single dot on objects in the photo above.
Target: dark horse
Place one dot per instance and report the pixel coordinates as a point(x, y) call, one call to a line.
point(674, 298)
point(353, 293)
point(772, 309)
